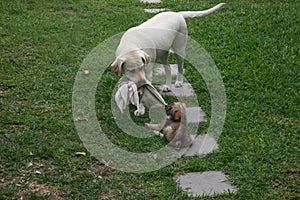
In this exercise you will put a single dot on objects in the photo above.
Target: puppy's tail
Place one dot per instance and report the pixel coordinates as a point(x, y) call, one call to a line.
point(194, 14)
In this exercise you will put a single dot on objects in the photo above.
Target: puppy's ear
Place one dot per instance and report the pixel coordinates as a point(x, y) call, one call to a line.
point(117, 66)
point(182, 107)
point(146, 58)
point(166, 107)
point(169, 109)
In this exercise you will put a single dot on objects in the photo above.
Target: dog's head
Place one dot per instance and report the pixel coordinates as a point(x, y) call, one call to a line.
point(176, 111)
point(131, 62)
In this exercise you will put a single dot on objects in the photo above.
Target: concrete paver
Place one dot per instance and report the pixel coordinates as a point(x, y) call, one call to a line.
point(186, 90)
point(202, 145)
point(195, 114)
point(159, 69)
point(205, 183)
point(154, 10)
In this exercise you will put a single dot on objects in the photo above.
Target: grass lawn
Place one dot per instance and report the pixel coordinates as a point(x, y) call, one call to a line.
point(254, 43)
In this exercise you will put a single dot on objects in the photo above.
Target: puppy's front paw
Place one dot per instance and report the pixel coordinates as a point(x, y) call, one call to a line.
point(158, 134)
point(166, 88)
point(178, 143)
point(178, 84)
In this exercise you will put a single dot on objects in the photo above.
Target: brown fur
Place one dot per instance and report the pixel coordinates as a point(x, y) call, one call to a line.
point(174, 126)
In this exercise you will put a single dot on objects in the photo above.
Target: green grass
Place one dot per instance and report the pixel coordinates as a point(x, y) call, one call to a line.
point(255, 44)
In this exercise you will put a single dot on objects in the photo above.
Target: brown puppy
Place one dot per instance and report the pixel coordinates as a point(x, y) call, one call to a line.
point(174, 126)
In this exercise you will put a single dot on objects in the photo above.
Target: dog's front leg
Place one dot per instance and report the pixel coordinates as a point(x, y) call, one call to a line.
point(140, 110)
point(148, 72)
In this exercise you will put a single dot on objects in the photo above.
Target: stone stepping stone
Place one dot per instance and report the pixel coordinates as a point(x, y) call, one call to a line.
point(195, 114)
point(186, 90)
point(202, 145)
point(159, 69)
point(150, 1)
point(155, 10)
point(205, 183)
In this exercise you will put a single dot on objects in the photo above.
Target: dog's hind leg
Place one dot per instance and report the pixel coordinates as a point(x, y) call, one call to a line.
point(179, 50)
point(164, 59)
point(179, 79)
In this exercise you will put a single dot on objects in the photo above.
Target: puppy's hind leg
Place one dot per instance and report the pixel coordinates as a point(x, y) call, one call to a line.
point(156, 127)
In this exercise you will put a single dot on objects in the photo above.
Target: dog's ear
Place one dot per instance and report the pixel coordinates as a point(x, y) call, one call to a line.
point(117, 66)
point(146, 58)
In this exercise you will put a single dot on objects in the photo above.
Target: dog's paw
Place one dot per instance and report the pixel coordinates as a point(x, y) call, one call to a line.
point(166, 88)
point(139, 112)
point(178, 84)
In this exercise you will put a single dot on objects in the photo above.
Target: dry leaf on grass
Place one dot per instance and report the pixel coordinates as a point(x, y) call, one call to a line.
point(80, 153)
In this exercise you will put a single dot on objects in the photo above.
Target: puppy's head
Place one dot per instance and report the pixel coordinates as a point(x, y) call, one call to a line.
point(176, 111)
point(130, 62)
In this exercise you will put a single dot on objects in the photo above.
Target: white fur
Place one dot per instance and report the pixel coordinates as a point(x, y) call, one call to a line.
point(151, 41)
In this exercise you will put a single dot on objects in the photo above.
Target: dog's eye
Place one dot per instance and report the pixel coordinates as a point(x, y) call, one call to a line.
point(122, 65)
point(143, 59)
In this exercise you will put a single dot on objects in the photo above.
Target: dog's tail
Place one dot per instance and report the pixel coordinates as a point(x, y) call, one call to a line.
point(194, 14)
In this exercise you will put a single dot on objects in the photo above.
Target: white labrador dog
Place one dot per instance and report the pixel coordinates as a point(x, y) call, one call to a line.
point(151, 41)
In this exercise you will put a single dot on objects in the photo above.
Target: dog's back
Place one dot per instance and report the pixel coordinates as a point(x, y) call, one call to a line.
point(170, 20)
point(166, 20)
